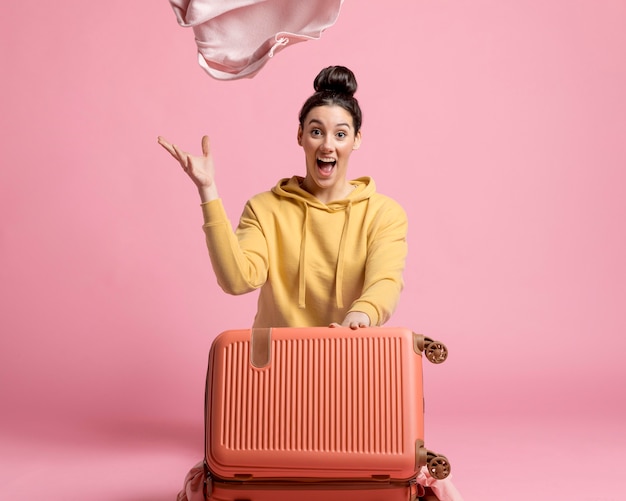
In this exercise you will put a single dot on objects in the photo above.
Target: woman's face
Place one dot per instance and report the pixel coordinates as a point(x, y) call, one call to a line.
point(328, 139)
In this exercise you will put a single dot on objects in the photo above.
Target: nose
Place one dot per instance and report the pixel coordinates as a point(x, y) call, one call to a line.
point(328, 145)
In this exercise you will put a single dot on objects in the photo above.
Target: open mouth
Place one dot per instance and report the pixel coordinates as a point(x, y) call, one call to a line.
point(326, 165)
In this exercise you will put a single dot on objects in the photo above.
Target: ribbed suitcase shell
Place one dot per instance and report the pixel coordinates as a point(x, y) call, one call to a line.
point(326, 403)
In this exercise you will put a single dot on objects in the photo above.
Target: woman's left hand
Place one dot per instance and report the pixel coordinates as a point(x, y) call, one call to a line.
point(354, 320)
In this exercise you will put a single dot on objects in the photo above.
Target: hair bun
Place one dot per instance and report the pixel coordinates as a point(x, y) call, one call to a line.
point(337, 79)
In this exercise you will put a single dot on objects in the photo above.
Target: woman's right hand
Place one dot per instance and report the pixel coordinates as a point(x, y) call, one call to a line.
point(199, 168)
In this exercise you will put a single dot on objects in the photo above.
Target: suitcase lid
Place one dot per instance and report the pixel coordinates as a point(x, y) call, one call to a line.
point(315, 402)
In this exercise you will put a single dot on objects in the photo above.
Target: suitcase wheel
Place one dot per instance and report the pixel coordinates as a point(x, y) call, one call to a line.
point(435, 351)
point(438, 466)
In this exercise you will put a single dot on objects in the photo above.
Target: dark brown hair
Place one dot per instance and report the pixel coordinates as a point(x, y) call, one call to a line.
point(334, 85)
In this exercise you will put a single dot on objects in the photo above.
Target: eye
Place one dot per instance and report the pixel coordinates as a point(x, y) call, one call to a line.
point(342, 135)
point(316, 132)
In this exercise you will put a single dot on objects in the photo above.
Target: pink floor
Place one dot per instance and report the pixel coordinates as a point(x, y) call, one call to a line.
point(558, 458)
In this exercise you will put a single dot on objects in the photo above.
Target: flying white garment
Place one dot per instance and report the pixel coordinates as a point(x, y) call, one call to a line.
point(235, 38)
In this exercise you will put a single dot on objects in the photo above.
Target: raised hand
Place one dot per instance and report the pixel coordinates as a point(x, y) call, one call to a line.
point(199, 168)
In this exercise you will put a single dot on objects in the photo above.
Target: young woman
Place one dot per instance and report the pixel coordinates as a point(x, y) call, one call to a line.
point(324, 250)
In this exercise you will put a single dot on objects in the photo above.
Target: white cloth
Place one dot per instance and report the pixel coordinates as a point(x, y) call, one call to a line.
point(235, 38)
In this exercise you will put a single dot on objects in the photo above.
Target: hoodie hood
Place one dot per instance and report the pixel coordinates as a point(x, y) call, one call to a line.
point(291, 188)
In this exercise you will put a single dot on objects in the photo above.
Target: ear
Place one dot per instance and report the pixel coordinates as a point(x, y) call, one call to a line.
point(300, 135)
point(357, 141)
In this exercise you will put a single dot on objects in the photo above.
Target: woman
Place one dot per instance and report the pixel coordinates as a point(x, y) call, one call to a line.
point(321, 248)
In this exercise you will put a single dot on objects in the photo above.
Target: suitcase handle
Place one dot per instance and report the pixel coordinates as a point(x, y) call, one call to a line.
point(435, 351)
point(260, 347)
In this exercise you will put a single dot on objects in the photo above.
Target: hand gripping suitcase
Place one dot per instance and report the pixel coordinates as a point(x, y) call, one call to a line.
point(318, 405)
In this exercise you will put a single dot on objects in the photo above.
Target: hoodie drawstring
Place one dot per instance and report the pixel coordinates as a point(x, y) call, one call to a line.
point(301, 271)
point(280, 41)
point(341, 259)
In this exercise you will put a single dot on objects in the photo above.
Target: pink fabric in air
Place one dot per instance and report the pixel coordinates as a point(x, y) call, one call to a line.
point(235, 38)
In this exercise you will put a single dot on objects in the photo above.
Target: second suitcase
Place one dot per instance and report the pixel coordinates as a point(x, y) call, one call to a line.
point(318, 404)
point(303, 491)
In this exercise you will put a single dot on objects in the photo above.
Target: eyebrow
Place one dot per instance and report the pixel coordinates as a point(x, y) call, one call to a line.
point(316, 121)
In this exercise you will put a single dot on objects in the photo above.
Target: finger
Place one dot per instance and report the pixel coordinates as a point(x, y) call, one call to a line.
point(165, 144)
point(357, 325)
point(169, 147)
point(206, 146)
point(181, 156)
point(333, 325)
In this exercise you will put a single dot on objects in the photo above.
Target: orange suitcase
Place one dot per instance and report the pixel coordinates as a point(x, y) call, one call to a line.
point(318, 404)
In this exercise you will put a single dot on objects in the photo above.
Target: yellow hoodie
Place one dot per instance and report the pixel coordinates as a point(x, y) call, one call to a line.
point(313, 262)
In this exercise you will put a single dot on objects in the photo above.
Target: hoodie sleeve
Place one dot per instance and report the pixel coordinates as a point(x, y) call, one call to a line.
point(239, 258)
point(386, 256)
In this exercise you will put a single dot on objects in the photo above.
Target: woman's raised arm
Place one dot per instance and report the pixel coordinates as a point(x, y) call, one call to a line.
point(199, 168)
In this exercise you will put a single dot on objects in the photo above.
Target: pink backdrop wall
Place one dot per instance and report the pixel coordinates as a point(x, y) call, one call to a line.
point(500, 126)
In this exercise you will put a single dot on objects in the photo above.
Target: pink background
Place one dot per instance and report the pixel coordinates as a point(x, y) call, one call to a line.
point(499, 125)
